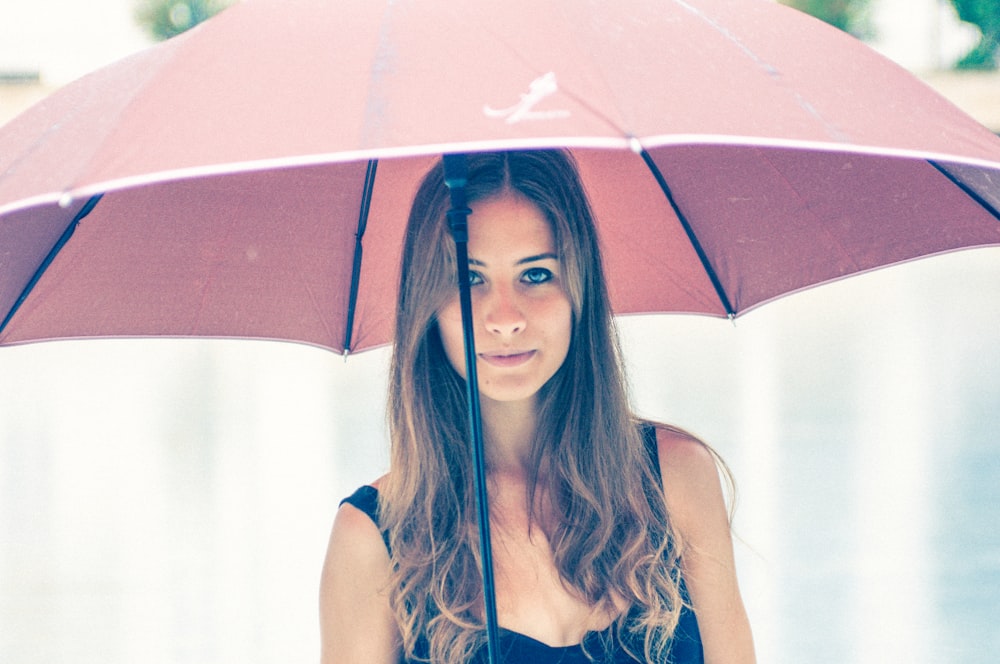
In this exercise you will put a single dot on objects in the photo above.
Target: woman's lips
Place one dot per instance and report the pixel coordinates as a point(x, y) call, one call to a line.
point(507, 359)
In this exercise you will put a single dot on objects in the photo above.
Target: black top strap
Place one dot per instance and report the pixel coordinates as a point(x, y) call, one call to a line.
point(366, 500)
point(648, 430)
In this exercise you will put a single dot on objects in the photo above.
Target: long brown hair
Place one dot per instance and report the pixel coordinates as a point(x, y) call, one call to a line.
point(611, 537)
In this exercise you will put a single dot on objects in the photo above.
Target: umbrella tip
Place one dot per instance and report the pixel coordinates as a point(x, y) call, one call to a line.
point(65, 200)
point(635, 145)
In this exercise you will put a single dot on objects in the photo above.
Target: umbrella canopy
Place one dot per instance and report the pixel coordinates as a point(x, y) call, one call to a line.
point(251, 178)
point(254, 173)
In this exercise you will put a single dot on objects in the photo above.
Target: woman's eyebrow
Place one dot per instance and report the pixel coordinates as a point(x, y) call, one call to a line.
point(526, 259)
point(540, 257)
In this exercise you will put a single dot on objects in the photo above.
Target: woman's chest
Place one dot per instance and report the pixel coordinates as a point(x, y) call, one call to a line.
point(532, 597)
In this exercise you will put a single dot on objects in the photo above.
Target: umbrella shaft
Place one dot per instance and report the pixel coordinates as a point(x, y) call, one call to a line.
point(455, 178)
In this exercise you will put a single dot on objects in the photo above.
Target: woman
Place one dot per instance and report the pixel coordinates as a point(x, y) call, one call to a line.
point(611, 539)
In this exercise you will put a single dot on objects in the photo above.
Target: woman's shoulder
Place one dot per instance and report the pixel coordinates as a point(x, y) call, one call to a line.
point(690, 471)
point(681, 450)
point(353, 607)
point(693, 477)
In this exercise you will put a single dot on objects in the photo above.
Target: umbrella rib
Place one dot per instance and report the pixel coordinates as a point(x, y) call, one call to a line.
point(51, 256)
point(691, 235)
point(366, 202)
point(969, 191)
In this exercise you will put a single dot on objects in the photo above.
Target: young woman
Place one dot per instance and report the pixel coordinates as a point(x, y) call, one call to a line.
point(611, 539)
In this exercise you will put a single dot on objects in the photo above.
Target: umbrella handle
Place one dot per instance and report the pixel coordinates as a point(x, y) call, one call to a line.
point(455, 178)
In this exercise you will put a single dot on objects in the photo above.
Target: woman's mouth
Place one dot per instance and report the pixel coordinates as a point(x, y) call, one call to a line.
point(507, 359)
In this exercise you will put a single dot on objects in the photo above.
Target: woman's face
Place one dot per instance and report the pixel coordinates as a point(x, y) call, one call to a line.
point(521, 311)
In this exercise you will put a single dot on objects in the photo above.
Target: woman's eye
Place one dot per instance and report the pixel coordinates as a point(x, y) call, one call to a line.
point(536, 275)
point(475, 278)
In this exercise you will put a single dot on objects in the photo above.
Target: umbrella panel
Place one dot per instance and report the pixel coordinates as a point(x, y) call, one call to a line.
point(249, 255)
point(776, 221)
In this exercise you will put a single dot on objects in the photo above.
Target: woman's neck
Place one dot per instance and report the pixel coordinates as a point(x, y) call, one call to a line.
point(509, 429)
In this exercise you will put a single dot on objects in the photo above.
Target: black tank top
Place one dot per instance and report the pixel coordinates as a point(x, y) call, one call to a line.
point(514, 647)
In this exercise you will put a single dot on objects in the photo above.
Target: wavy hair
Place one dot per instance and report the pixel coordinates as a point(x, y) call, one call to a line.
point(611, 536)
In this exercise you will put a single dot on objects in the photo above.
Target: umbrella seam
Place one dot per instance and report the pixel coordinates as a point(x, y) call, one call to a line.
point(691, 235)
point(772, 72)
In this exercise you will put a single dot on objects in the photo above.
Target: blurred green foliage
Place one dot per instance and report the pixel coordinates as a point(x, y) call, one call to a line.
point(849, 15)
point(163, 19)
point(984, 14)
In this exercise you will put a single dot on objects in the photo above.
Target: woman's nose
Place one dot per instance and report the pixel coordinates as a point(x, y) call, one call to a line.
point(502, 313)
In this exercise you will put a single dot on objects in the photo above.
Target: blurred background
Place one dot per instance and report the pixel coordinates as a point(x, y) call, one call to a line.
point(170, 501)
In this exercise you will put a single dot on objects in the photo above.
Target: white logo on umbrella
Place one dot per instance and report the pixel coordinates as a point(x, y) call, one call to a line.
point(540, 88)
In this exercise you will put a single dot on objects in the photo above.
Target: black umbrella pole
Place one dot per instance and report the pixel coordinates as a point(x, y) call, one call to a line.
point(455, 177)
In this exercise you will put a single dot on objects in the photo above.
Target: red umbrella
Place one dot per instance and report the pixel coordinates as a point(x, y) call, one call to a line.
point(225, 182)
point(233, 161)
